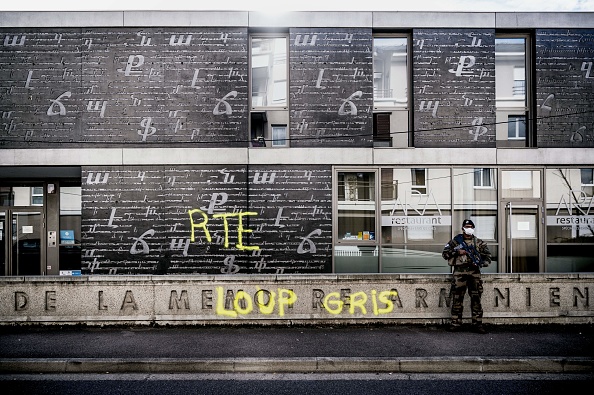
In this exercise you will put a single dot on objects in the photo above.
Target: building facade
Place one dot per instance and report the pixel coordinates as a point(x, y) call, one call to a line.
point(312, 143)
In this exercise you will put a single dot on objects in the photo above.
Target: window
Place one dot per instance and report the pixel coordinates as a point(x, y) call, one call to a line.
point(37, 196)
point(483, 178)
point(279, 135)
point(569, 219)
point(389, 185)
point(381, 130)
point(356, 249)
point(419, 181)
point(475, 197)
point(587, 180)
point(414, 227)
point(390, 91)
point(520, 184)
point(269, 72)
point(70, 226)
point(587, 176)
point(516, 127)
point(269, 115)
point(519, 81)
point(512, 91)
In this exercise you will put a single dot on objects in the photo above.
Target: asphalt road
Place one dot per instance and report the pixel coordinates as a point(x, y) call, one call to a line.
point(396, 349)
point(268, 384)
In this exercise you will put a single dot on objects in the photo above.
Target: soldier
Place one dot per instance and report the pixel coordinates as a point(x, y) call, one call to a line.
point(467, 254)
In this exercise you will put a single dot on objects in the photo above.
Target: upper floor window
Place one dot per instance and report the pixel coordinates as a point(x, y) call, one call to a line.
point(391, 91)
point(279, 135)
point(269, 114)
point(419, 181)
point(268, 71)
point(516, 127)
point(37, 196)
point(512, 90)
point(483, 178)
point(519, 81)
point(587, 181)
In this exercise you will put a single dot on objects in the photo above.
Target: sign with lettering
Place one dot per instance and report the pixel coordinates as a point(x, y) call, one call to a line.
point(180, 299)
point(438, 220)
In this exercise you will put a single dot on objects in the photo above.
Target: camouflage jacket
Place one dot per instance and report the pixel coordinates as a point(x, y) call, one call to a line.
point(450, 253)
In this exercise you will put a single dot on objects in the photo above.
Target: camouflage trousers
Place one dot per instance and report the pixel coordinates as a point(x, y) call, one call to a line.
point(460, 283)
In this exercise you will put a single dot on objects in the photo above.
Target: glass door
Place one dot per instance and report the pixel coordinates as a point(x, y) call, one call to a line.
point(355, 250)
point(25, 249)
point(522, 239)
point(522, 221)
point(3, 243)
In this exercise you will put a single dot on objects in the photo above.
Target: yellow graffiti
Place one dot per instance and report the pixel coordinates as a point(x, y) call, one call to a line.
point(385, 297)
point(241, 295)
point(220, 309)
point(334, 304)
point(243, 303)
point(240, 229)
point(200, 225)
point(265, 308)
point(287, 300)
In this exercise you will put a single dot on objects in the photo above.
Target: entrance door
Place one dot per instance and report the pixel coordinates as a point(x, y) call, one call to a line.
point(521, 244)
point(522, 221)
point(21, 242)
point(3, 243)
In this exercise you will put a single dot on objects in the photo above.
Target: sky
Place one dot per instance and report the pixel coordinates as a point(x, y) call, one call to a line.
point(300, 5)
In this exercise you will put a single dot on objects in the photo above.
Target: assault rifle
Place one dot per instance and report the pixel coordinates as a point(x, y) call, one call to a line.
point(474, 255)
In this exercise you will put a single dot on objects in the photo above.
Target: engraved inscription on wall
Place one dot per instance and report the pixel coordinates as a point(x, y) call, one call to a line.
point(565, 87)
point(331, 87)
point(293, 218)
point(454, 87)
point(211, 220)
point(136, 86)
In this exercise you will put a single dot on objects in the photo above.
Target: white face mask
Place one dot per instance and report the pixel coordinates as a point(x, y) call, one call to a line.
point(468, 231)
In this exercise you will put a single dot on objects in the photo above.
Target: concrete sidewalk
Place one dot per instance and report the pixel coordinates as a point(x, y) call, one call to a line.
point(398, 349)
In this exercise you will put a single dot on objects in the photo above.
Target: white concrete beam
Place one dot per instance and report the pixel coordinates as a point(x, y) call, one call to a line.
point(311, 19)
point(433, 19)
point(56, 19)
point(185, 18)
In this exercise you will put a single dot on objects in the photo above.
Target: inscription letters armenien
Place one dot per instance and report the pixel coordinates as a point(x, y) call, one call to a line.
point(239, 303)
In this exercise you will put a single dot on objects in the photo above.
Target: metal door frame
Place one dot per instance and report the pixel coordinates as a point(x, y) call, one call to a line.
point(9, 234)
point(507, 245)
point(504, 254)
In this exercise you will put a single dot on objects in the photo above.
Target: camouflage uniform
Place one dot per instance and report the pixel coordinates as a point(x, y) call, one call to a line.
point(466, 275)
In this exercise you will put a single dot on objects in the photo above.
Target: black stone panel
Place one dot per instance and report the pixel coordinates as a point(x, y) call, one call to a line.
point(565, 87)
point(40, 87)
point(331, 87)
point(181, 86)
point(175, 220)
point(136, 220)
point(105, 87)
point(454, 87)
point(293, 221)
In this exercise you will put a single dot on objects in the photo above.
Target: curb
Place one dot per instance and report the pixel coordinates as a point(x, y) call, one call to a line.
point(299, 365)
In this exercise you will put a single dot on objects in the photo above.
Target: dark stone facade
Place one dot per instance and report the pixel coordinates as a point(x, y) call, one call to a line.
point(106, 87)
point(565, 88)
point(454, 87)
point(140, 220)
point(185, 87)
point(331, 88)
